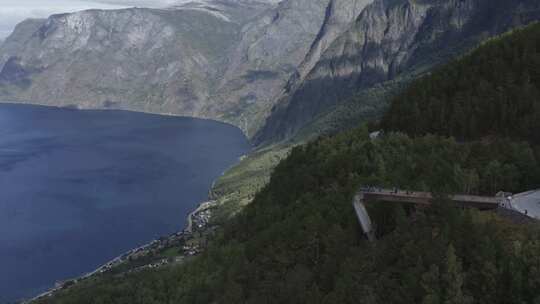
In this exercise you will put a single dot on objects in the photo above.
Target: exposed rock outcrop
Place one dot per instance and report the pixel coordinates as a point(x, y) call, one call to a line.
point(268, 53)
point(268, 66)
point(392, 38)
point(222, 59)
point(140, 59)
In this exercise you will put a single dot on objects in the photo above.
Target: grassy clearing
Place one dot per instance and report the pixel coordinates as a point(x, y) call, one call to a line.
point(238, 186)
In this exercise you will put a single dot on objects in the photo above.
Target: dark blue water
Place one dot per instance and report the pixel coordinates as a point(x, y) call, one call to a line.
point(78, 188)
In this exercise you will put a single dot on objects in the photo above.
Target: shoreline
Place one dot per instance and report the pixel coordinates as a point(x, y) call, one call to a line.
point(202, 207)
point(188, 230)
point(167, 114)
point(184, 233)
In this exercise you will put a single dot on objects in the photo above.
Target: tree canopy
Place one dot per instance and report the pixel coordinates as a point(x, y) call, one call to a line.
point(299, 241)
point(494, 91)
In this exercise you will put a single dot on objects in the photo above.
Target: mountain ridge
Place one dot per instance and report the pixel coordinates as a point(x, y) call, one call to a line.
point(391, 39)
point(270, 68)
point(299, 240)
point(224, 60)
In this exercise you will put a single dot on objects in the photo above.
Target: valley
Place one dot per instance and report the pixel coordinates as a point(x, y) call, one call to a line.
point(81, 187)
point(302, 230)
point(451, 88)
point(270, 68)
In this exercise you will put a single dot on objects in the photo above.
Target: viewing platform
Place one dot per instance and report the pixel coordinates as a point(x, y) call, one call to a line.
point(376, 194)
point(425, 198)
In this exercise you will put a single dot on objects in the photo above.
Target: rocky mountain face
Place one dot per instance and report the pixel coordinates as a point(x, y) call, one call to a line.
point(267, 66)
point(139, 59)
point(391, 39)
point(222, 59)
point(281, 45)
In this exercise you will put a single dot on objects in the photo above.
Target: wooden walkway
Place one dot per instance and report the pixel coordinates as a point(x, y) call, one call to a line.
point(425, 198)
point(419, 198)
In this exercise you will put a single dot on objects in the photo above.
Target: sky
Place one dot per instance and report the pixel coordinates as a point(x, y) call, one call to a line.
point(14, 11)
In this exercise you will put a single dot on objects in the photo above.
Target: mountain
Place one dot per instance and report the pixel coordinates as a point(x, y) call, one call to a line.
point(269, 52)
point(219, 59)
point(140, 59)
point(299, 241)
point(272, 68)
point(499, 96)
point(391, 40)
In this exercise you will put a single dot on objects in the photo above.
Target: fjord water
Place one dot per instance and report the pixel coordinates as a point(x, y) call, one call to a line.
point(78, 188)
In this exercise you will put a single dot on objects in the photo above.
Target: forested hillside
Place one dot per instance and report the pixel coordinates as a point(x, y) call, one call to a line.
point(495, 91)
point(300, 242)
point(395, 40)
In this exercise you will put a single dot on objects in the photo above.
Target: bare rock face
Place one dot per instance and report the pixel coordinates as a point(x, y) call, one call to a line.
point(391, 38)
point(140, 59)
point(278, 50)
point(221, 59)
point(268, 53)
point(267, 66)
point(340, 15)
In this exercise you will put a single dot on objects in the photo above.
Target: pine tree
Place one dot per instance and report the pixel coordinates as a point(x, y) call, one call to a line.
point(432, 286)
point(452, 279)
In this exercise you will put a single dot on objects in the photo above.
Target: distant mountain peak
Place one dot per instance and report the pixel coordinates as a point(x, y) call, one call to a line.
point(269, 67)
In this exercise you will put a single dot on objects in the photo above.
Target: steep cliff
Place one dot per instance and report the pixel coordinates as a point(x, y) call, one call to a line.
point(140, 59)
point(270, 67)
point(391, 39)
point(268, 53)
point(223, 59)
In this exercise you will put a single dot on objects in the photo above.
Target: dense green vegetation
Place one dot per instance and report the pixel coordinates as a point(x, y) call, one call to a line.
point(300, 242)
point(495, 90)
point(366, 105)
point(237, 187)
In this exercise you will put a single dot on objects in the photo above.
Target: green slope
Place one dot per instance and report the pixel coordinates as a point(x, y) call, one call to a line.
point(494, 91)
point(299, 240)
